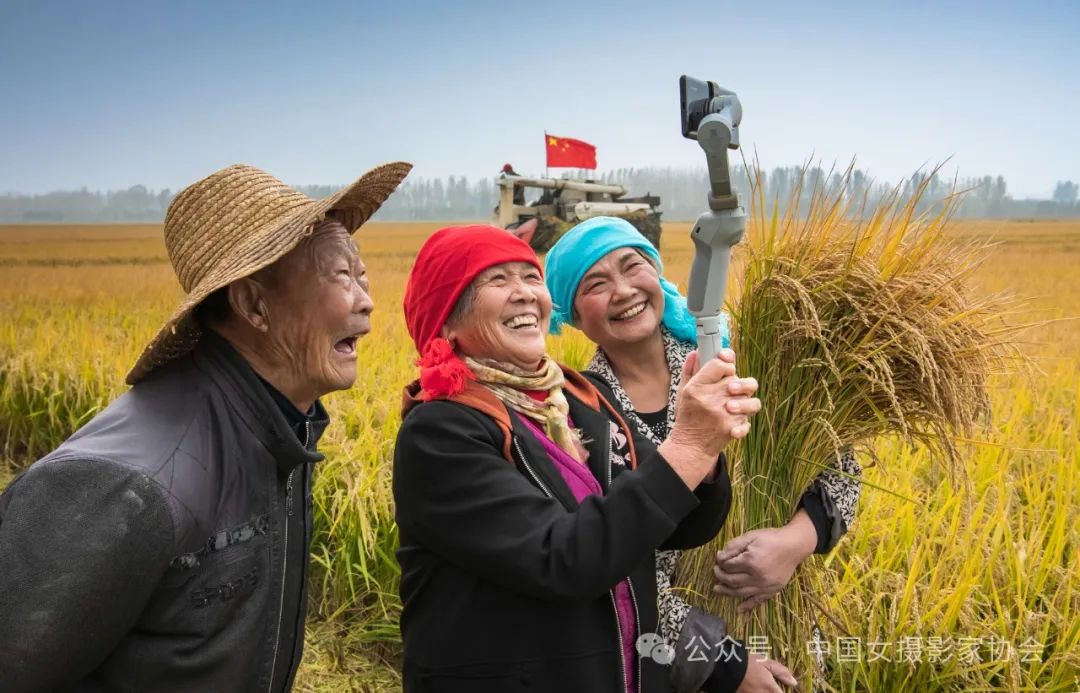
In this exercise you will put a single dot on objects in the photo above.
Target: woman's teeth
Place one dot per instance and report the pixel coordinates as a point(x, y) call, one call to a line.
point(631, 312)
point(521, 321)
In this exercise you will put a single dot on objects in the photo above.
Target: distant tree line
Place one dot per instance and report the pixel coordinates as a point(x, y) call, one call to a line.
point(137, 203)
point(682, 192)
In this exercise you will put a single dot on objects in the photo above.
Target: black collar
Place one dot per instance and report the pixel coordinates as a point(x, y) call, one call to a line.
point(255, 404)
point(298, 421)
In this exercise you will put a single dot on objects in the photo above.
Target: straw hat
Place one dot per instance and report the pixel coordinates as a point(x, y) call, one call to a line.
point(236, 221)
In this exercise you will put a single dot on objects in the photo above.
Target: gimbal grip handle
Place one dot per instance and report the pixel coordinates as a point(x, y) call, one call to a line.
point(709, 345)
point(705, 294)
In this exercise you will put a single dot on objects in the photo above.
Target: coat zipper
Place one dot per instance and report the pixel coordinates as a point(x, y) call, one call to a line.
point(637, 628)
point(529, 469)
point(607, 457)
point(285, 558)
point(618, 631)
point(633, 597)
point(284, 573)
point(611, 592)
point(630, 585)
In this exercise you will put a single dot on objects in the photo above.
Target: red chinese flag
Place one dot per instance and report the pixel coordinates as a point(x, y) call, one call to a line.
point(568, 152)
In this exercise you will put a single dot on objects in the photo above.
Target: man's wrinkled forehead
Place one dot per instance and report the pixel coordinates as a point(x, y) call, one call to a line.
point(328, 241)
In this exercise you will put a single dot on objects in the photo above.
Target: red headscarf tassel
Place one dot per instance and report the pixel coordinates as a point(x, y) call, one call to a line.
point(442, 373)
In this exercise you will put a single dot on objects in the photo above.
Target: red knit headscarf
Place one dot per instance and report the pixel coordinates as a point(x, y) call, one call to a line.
point(445, 266)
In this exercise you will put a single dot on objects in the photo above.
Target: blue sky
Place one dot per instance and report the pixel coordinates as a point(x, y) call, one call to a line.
point(110, 94)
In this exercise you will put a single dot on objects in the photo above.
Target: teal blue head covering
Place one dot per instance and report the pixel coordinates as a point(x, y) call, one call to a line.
point(580, 248)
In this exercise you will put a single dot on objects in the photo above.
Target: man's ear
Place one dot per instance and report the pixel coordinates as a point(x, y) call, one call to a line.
point(447, 334)
point(247, 298)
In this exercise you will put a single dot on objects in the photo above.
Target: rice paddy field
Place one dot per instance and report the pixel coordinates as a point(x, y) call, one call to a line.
point(966, 581)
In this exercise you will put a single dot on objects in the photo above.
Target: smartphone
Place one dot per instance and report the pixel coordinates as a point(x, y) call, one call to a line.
point(694, 97)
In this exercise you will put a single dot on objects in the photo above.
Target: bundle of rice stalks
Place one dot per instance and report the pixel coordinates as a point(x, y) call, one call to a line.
point(858, 323)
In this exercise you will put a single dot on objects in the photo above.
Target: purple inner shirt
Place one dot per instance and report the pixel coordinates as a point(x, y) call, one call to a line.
point(583, 484)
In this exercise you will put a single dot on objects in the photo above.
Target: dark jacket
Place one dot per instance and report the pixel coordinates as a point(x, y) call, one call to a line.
point(164, 546)
point(507, 582)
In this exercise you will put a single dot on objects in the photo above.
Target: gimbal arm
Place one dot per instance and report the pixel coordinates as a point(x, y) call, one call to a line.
point(718, 229)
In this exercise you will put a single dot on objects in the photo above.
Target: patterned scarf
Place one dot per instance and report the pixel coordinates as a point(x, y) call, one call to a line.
point(675, 353)
point(510, 384)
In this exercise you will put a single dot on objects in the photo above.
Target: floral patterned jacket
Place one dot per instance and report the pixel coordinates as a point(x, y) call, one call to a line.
point(831, 500)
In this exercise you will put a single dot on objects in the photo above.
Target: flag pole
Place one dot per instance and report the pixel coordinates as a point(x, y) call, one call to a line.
point(545, 155)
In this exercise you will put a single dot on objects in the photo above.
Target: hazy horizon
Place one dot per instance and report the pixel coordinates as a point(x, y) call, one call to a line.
point(109, 96)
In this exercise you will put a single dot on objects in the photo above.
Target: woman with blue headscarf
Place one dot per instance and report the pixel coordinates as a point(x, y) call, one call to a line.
point(607, 280)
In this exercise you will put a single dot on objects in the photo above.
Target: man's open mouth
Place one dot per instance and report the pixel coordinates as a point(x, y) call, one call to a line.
point(347, 346)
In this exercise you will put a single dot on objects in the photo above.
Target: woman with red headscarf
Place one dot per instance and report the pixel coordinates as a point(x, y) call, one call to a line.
point(529, 512)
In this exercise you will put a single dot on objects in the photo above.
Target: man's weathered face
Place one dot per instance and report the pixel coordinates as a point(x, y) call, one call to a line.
point(318, 307)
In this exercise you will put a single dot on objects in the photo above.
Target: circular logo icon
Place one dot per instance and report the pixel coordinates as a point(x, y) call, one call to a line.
point(652, 646)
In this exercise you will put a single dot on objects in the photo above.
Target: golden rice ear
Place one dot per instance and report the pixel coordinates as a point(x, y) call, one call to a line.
point(859, 324)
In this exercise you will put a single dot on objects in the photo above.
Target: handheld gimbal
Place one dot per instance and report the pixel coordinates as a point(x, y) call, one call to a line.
point(711, 115)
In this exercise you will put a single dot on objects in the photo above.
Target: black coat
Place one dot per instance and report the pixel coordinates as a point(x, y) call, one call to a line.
point(507, 583)
point(164, 546)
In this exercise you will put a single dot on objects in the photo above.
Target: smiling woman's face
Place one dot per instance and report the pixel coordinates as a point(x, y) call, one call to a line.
point(508, 316)
point(619, 300)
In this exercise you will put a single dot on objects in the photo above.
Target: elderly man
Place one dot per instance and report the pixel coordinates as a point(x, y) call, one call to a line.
point(164, 546)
